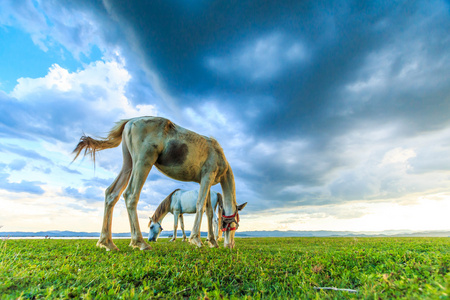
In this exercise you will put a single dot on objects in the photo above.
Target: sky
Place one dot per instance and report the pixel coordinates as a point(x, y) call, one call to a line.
point(334, 115)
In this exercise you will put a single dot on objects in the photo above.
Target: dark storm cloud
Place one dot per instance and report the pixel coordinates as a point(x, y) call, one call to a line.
point(304, 71)
point(301, 54)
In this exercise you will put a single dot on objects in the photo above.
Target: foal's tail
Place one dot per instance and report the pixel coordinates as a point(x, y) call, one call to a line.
point(219, 212)
point(91, 145)
point(219, 201)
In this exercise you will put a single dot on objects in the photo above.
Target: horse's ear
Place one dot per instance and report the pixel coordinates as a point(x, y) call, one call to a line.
point(241, 207)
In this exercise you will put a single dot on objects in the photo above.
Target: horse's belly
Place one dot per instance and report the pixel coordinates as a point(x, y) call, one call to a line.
point(181, 173)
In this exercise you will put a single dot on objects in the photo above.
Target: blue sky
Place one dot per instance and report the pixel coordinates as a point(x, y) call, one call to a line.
point(333, 115)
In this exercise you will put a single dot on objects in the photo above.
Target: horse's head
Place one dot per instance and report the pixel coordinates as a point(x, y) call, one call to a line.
point(155, 230)
point(230, 224)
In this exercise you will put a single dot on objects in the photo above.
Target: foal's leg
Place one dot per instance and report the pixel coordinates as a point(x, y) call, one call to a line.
point(219, 223)
point(175, 226)
point(216, 226)
point(182, 227)
point(203, 194)
point(112, 195)
point(141, 168)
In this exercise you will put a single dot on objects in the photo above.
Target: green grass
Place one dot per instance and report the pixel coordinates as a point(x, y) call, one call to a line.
point(259, 268)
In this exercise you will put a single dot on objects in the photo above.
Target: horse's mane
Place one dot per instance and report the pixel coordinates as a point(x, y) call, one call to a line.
point(163, 207)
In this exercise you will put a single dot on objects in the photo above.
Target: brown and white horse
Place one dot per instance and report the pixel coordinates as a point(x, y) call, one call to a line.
point(178, 153)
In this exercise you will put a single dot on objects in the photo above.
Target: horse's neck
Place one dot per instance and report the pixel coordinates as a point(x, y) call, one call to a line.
point(162, 210)
point(229, 192)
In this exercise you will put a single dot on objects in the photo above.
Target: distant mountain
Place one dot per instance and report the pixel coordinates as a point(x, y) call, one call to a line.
point(325, 233)
point(275, 233)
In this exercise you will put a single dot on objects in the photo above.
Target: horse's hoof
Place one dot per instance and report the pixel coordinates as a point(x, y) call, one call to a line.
point(109, 246)
point(141, 245)
point(230, 246)
point(195, 241)
point(172, 240)
point(213, 244)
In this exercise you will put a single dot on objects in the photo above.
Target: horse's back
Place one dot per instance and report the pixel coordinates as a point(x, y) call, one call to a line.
point(186, 201)
point(178, 152)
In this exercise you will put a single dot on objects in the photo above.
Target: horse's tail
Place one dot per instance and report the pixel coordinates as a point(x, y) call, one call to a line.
point(91, 145)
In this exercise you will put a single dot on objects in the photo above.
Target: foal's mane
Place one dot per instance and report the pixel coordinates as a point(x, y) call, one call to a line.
point(163, 207)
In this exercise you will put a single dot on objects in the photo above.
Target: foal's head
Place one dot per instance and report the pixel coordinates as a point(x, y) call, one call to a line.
point(155, 230)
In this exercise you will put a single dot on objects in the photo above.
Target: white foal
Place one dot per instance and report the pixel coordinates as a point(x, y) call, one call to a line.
point(181, 202)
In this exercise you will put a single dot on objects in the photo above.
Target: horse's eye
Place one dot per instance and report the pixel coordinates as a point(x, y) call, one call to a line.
point(151, 227)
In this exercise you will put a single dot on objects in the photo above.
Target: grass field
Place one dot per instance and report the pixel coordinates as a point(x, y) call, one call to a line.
point(410, 268)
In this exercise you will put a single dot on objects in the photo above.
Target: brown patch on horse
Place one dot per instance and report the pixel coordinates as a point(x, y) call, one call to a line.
point(162, 208)
point(175, 154)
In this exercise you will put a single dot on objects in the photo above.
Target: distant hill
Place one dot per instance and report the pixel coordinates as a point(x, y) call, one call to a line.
point(325, 233)
point(275, 233)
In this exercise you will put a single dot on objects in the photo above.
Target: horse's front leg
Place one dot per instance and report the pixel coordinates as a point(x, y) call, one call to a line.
point(175, 226)
point(209, 213)
point(203, 194)
point(182, 227)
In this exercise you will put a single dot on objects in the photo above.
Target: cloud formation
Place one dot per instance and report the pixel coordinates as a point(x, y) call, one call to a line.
point(314, 103)
point(24, 186)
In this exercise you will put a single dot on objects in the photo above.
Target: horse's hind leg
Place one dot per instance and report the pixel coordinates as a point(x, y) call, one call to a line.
point(175, 226)
point(219, 223)
point(182, 227)
point(112, 195)
point(141, 168)
point(216, 226)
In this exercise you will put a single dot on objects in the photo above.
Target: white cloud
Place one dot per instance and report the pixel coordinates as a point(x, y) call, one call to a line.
point(100, 88)
point(412, 212)
point(398, 155)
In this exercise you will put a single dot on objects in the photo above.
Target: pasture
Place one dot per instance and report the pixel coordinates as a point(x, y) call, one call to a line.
point(258, 268)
